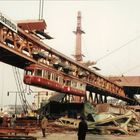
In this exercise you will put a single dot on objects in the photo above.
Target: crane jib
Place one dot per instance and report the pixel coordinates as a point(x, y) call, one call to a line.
point(6, 21)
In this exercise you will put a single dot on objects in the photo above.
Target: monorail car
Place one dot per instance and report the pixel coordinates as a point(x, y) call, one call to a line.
point(52, 79)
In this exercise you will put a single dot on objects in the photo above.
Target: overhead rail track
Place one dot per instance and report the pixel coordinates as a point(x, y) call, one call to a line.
point(25, 47)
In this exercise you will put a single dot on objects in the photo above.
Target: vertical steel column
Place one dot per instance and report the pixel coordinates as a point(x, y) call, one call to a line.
point(1, 33)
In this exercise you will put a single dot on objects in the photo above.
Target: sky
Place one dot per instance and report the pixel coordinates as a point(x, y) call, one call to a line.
point(112, 34)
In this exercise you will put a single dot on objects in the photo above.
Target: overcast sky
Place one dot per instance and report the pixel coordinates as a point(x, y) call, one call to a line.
point(112, 32)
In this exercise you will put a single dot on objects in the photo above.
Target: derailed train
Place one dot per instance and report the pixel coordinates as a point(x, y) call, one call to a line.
point(50, 78)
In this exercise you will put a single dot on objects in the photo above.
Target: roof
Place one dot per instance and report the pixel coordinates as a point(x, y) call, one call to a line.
point(131, 81)
point(32, 24)
point(57, 97)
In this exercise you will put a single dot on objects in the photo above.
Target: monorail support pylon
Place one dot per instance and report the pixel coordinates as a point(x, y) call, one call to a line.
point(95, 98)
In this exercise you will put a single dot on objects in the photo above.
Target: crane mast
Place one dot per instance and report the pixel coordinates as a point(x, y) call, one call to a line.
point(78, 50)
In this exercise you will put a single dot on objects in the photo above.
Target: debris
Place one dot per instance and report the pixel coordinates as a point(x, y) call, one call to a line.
point(107, 119)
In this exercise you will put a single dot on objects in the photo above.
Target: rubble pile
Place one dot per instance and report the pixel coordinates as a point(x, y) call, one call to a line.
point(107, 119)
point(110, 119)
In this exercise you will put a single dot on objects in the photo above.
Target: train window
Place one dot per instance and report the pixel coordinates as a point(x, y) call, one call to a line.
point(68, 83)
point(49, 75)
point(83, 87)
point(29, 72)
point(80, 86)
point(60, 79)
point(52, 76)
point(56, 77)
point(38, 72)
point(45, 75)
point(74, 84)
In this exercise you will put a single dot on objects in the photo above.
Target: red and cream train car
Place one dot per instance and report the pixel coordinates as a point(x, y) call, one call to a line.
point(52, 79)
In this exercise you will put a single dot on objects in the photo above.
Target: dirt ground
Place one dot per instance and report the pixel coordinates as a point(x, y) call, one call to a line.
point(73, 136)
point(55, 132)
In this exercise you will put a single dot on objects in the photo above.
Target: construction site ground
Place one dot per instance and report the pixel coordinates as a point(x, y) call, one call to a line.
point(73, 136)
point(55, 132)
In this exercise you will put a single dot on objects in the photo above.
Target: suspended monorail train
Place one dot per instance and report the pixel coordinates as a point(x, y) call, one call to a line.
point(52, 79)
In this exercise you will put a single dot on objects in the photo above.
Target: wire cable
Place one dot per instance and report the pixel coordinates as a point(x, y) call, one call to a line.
point(117, 49)
point(133, 68)
point(41, 7)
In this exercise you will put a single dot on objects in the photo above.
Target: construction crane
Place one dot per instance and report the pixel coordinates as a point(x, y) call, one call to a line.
point(78, 49)
point(21, 92)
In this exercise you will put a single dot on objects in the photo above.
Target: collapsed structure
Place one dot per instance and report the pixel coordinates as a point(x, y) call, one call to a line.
point(107, 119)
